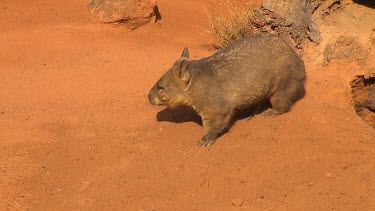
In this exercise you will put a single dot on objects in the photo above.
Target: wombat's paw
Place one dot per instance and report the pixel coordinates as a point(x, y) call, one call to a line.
point(206, 142)
point(270, 113)
point(249, 117)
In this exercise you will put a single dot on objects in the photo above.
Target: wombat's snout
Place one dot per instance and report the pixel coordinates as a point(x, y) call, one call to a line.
point(153, 98)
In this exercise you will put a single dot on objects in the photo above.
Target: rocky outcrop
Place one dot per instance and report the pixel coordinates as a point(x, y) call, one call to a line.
point(363, 90)
point(133, 13)
point(346, 48)
point(295, 20)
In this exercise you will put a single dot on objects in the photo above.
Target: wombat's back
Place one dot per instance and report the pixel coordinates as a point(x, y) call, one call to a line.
point(252, 69)
point(263, 54)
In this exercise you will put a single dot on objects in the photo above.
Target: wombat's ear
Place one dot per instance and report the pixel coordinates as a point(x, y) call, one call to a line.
point(182, 70)
point(185, 54)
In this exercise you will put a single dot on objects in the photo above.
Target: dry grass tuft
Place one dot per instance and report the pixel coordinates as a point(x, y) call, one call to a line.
point(231, 25)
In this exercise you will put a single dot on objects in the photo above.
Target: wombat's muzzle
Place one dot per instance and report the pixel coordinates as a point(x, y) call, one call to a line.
point(153, 98)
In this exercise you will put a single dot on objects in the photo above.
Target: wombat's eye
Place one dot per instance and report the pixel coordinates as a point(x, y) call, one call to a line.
point(159, 88)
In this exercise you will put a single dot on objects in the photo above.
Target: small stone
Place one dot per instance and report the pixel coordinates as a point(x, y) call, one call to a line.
point(329, 175)
point(372, 40)
point(5, 7)
point(133, 13)
point(205, 183)
point(238, 202)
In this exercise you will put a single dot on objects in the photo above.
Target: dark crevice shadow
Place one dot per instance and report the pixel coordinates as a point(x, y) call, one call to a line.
point(252, 111)
point(157, 14)
point(180, 114)
point(367, 3)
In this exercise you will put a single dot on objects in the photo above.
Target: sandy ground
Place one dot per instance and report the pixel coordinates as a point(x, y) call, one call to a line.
point(77, 130)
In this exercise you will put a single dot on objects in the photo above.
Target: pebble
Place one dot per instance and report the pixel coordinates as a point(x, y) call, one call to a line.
point(238, 202)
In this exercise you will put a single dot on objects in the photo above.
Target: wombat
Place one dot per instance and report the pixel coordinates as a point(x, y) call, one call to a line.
point(252, 70)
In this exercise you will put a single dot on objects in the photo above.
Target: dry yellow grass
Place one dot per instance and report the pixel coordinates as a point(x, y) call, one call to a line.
point(230, 25)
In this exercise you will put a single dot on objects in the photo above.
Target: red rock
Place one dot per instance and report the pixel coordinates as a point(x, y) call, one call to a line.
point(238, 202)
point(133, 13)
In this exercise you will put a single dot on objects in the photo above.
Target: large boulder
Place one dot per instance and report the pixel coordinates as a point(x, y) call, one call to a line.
point(133, 13)
point(363, 90)
point(295, 20)
point(346, 48)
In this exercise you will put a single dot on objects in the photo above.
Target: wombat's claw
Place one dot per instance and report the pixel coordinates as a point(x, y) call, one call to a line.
point(249, 117)
point(269, 113)
point(205, 143)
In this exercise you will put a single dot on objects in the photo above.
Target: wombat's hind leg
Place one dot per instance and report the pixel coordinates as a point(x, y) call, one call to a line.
point(214, 125)
point(280, 104)
point(283, 99)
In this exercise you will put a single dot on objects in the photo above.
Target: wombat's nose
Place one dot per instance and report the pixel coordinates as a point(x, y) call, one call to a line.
point(153, 99)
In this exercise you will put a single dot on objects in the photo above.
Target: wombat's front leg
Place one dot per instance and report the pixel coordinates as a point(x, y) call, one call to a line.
point(214, 125)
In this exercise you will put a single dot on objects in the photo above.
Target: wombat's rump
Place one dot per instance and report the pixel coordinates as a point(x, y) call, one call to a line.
point(250, 71)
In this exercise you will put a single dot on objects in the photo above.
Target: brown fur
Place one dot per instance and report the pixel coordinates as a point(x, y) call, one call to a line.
point(252, 70)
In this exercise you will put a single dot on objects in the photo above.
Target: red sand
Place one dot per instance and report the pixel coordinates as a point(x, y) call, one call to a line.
point(78, 132)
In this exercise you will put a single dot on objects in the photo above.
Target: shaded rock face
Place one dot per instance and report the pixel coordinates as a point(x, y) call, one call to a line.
point(295, 20)
point(133, 13)
point(363, 90)
point(346, 48)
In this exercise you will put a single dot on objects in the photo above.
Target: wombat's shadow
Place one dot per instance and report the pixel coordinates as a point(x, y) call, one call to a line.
point(183, 114)
point(367, 3)
point(251, 112)
point(179, 115)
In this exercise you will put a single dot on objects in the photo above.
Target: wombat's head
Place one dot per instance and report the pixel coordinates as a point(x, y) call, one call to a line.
point(170, 90)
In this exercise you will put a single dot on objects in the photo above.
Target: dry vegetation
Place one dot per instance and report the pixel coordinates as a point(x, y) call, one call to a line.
point(231, 24)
